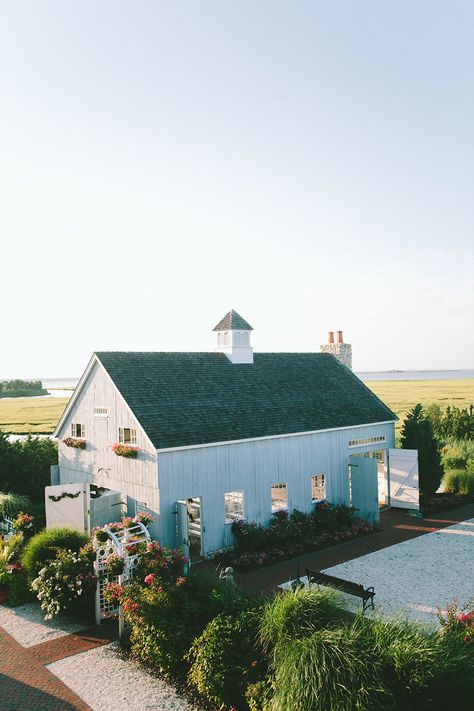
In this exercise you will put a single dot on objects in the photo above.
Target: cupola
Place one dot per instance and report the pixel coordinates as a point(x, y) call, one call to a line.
point(233, 338)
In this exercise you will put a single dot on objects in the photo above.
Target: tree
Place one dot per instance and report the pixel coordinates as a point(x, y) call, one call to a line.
point(417, 433)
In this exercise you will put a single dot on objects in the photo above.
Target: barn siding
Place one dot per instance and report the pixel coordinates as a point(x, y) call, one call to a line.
point(135, 478)
point(252, 467)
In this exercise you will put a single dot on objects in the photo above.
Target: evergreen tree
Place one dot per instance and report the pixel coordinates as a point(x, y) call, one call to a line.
point(417, 433)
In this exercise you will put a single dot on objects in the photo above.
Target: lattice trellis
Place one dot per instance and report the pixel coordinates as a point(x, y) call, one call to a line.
point(119, 543)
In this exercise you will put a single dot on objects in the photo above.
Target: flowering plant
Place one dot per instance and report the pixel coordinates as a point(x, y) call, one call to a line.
point(125, 450)
point(115, 564)
point(23, 522)
point(165, 563)
point(454, 621)
point(75, 442)
point(128, 522)
point(144, 517)
point(62, 581)
point(101, 535)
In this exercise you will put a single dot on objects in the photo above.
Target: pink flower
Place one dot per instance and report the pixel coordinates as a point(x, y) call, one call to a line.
point(462, 617)
point(180, 581)
point(150, 578)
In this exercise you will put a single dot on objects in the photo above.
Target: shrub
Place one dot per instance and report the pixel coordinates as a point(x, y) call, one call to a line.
point(457, 453)
point(225, 659)
point(259, 694)
point(459, 481)
point(45, 544)
point(25, 466)
point(63, 581)
point(11, 504)
point(417, 433)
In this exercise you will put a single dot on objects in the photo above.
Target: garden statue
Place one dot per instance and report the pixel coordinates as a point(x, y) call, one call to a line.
point(227, 576)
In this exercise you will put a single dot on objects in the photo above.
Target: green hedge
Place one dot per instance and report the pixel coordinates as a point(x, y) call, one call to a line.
point(459, 481)
point(44, 545)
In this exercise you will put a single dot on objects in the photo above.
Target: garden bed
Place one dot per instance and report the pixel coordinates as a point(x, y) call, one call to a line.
point(291, 535)
point(435, 503)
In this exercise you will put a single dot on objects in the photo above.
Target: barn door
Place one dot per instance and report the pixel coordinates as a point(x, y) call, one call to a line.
point(67, 505)
point(403, 478)
point(182, 534)
point(364, 487)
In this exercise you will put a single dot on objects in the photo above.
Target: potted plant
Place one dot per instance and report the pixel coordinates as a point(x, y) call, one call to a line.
point(144, 517)
point(125, 450)
point(101, 535)
point(128, 522)
point(75, 442)
point(115, 564)
point(24, 523)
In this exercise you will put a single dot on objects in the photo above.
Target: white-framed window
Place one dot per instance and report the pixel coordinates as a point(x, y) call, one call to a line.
point(127, 435)
point(318, 487)
point(227, 338)
point(78, 430)
point(101, 412)
point(234, 506)
point(366, 440)
point(279, 496)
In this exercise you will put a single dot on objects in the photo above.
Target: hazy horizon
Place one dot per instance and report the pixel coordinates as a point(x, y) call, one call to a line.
point(307, 164)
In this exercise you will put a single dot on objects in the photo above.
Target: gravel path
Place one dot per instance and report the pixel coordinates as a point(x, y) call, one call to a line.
point(28, 627)
point(417, 577)
point(106, 681)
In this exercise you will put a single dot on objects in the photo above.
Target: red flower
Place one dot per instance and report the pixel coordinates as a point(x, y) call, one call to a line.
point(150, 578)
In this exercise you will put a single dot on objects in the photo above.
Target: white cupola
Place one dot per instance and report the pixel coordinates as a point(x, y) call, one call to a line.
point(233, 338)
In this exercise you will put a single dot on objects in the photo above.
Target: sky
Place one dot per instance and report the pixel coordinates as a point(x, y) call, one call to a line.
point(309, 164)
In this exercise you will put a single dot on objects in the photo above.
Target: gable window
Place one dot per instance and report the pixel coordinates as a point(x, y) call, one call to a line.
point(78, 430)
point(279, 496)
point(318, 487)
point(101, 412)
point(127, 435)
point(366, 440)
point(234, 506)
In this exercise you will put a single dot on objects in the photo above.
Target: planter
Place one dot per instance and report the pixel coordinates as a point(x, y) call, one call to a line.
point(125, 450)
point(75, 442)
point(102, 536)
point(115, 565)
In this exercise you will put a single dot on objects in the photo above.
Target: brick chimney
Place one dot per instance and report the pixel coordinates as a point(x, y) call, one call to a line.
point(340, 350)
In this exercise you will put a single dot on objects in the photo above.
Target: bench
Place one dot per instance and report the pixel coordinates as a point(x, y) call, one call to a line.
point(347, 586)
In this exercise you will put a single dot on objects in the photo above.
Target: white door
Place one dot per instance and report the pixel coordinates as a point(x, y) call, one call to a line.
point(67, 505)
point(364, 487)
point(182, 535)
point(403, 478)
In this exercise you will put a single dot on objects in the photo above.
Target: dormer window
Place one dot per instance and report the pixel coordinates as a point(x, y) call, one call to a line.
point(77, 430)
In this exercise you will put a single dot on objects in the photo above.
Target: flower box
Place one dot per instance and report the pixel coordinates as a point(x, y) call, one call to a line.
point(115, 564)
point(125, 450)
point(75, 442)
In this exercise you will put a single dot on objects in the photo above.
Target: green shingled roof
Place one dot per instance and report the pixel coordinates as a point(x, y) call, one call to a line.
point(196, 398)
point(233, 321)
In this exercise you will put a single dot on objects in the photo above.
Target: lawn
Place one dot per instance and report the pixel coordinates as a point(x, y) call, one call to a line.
point(25, 414)
point(21, 415)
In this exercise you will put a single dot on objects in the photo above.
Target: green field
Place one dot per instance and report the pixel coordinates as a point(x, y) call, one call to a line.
point(22, 415)
point(25, 414)
point(402, 395)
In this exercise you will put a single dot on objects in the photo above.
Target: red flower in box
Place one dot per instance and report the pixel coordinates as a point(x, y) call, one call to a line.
point(125, 450)
point(75, 442)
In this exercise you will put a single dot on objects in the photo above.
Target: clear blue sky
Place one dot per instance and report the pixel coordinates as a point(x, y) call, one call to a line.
point(309, 164)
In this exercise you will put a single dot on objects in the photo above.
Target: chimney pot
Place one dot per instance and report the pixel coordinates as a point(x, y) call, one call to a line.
point(339, 337)
point(331, 337)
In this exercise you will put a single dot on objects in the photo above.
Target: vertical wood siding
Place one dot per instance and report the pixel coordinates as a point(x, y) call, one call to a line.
point(252, 467)
point(135, 478)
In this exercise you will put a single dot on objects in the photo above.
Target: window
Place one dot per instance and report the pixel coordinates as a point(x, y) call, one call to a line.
point(234, 506)
point(227, 339)
point(127, 435)
point(78, 430)
point(279, 496)
point(318, 487)
point(367, 440)
point(101, 412)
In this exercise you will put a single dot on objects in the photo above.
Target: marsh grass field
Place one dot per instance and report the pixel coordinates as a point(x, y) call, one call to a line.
point(40, 415)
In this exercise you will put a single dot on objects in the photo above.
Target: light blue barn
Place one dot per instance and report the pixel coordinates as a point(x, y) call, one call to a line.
point(223, 436)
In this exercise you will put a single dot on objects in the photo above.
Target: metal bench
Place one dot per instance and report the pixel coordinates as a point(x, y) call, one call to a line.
point(347, 586)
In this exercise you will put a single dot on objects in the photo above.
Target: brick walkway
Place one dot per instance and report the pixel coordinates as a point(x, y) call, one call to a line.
point(26, 684)
point(395, 526)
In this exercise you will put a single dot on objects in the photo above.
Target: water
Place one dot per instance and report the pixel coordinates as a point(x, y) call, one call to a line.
point(416, 375)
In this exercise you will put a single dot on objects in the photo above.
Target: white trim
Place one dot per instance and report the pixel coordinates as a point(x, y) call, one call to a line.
point(280, 436)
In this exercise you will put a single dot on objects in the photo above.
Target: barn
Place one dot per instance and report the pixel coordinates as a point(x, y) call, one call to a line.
point(204, 439)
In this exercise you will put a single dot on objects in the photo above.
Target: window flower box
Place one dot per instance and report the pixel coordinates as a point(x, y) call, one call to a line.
point(125, 450)
point(75, 442)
